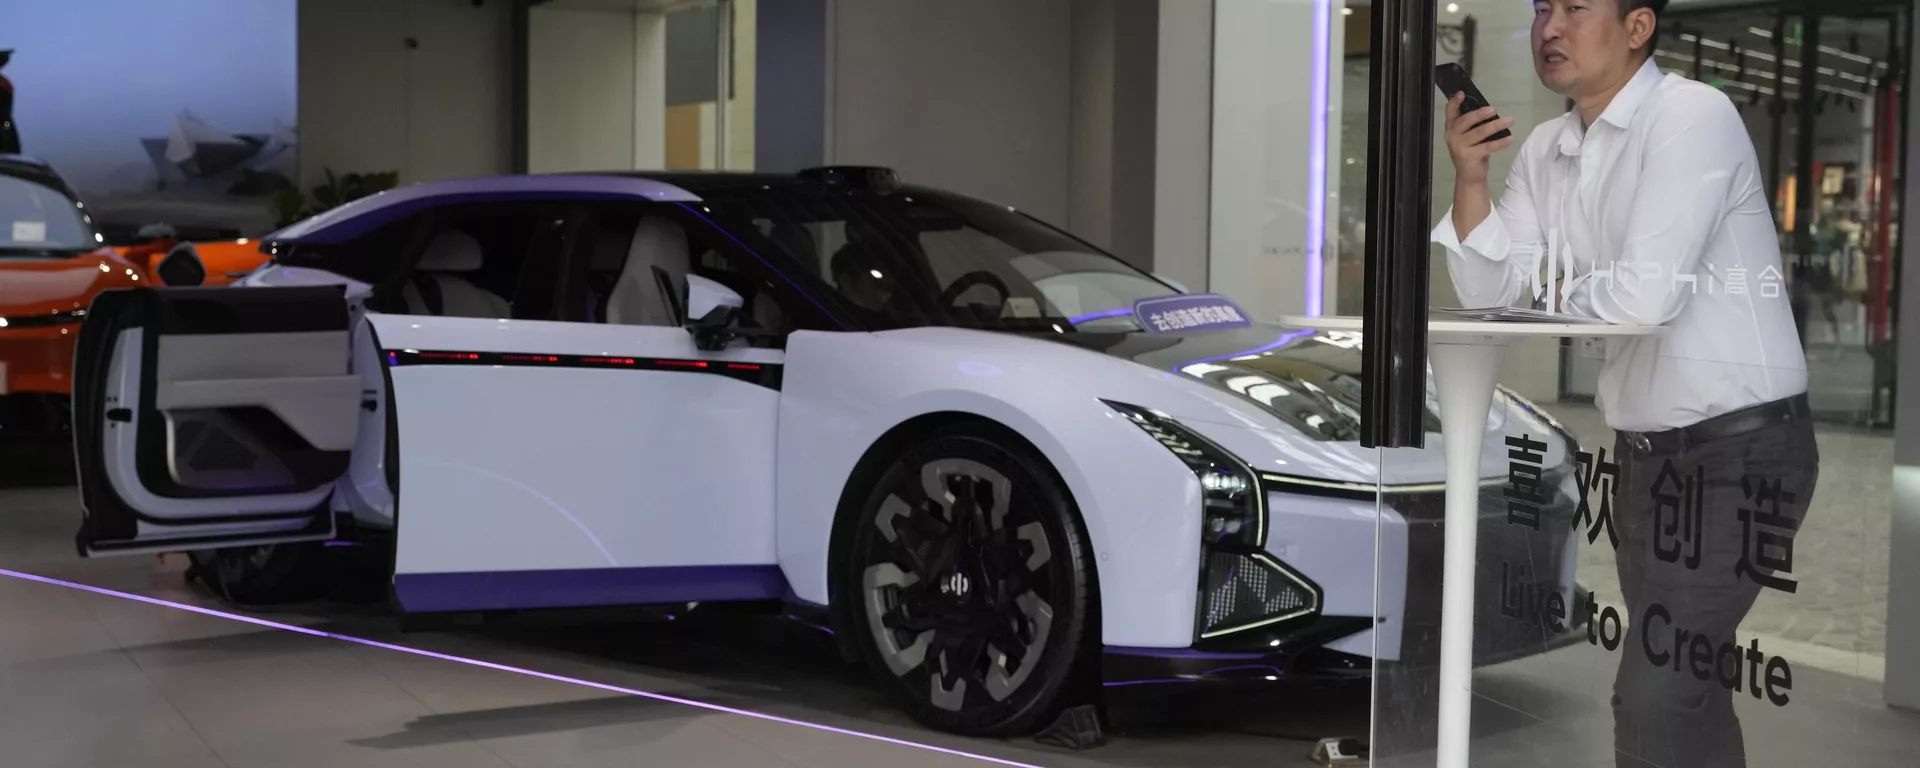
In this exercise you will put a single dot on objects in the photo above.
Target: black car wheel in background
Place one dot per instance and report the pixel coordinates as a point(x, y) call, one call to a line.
point(971, 585)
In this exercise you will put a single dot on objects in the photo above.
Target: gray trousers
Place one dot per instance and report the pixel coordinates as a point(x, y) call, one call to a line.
point(1692, 567)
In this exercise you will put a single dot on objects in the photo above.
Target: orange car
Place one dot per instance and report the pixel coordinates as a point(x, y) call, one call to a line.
point(52, 264)
point(225, 260)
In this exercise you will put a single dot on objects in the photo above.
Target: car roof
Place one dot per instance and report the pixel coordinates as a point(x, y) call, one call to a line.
point(368, 213)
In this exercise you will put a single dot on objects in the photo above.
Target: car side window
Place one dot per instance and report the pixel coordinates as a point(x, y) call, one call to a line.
point(482, 261)
point(632, 264)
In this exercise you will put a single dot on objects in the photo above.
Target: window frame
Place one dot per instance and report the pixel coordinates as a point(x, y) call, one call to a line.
point(802, 310)
point(417, 232)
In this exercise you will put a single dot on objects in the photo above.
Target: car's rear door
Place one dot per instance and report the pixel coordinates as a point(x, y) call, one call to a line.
point(599, 457)
point(209, 417)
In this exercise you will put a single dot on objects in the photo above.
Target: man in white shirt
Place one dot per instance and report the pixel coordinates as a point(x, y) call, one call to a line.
point(1649, 201)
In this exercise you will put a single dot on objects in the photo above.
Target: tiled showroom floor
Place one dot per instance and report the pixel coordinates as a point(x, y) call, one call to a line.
point(91, 679)
point(102, 678)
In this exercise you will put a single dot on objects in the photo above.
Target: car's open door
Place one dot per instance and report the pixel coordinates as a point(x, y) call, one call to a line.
point(213, 417)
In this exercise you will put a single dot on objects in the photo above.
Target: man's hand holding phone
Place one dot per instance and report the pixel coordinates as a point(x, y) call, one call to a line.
point(1467, 141)
point(1467, 135)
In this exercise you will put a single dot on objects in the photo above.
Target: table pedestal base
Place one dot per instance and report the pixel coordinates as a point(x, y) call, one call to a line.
point(1465, 374)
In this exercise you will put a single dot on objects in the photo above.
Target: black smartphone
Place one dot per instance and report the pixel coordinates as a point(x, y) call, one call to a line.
point(1452, 80)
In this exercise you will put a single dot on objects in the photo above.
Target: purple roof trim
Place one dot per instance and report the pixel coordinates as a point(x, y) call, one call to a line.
point(361, 216)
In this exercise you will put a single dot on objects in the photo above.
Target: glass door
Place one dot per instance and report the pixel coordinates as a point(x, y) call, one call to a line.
point(1830, 143)
point(1624, 570)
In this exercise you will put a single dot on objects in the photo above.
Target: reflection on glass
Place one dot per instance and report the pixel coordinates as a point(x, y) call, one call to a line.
point(1718, 594)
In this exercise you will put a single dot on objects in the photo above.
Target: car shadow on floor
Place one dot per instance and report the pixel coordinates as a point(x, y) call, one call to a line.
point(756, 662)
point(795, 670)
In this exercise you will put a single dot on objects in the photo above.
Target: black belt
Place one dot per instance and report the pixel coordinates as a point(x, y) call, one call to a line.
point(1726, 425)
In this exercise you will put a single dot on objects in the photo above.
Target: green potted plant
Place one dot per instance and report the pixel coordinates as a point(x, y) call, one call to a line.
point(292, 205)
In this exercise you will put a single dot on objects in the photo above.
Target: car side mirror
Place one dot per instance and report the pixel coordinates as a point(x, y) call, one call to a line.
point(712, 309)
point(182, 267)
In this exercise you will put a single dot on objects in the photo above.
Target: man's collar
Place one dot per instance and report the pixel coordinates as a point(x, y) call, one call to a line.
point(1620, 112)
point(1627, 102)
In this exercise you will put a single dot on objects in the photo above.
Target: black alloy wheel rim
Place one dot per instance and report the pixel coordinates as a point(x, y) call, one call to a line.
point(960, 584)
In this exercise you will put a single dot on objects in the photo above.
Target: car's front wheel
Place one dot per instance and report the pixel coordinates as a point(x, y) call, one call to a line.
point(970, 583)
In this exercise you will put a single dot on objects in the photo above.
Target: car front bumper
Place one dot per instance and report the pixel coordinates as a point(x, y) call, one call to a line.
point(1403, 634)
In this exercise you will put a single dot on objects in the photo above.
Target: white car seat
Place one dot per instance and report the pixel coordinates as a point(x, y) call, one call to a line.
point(451, 252)
point(659, 249)
point(609, 256)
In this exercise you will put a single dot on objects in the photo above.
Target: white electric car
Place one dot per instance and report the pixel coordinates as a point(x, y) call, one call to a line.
point(1001, 465)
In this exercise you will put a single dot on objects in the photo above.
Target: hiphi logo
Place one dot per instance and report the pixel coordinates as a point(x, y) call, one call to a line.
point(1633, 273)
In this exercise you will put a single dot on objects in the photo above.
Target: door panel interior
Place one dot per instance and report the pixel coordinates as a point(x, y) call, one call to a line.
point(225, 413)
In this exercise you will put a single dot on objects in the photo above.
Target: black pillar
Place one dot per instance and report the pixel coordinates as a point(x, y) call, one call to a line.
point(1805, 208)
point(1778, 109)
point(1399, 204)
point(520, 22)
point(1809, 131)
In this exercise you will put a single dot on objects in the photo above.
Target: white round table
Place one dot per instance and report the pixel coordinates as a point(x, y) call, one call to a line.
point(1466, 357)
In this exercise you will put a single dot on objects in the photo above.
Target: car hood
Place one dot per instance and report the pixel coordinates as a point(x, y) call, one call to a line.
point(30, 286)
point(1292, 396)
point(1309, 381)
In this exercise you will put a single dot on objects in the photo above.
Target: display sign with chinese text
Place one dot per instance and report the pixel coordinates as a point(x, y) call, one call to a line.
point(1189, 312)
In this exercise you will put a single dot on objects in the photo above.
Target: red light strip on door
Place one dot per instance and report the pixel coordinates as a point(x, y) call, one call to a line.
point(763, 374)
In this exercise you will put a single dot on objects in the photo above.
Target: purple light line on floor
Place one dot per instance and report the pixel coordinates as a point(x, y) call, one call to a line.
point(502, 667)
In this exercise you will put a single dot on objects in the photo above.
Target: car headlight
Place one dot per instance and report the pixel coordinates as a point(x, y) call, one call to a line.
point(1241, 586)
point(1235, 508)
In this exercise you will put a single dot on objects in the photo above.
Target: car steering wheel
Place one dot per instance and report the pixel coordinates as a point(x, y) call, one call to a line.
point(975, 278)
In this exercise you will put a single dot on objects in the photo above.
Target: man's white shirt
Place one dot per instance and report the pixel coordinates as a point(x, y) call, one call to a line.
point(1658, 214)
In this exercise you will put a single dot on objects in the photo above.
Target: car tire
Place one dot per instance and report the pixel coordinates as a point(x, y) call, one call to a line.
point(982, 628)
point(265, 575)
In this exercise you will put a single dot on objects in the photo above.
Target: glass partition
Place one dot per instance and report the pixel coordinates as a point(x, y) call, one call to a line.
point(1679, 541)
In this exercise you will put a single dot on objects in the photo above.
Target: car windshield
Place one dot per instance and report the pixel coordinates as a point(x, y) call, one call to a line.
point(37, 220)
point(918, 258)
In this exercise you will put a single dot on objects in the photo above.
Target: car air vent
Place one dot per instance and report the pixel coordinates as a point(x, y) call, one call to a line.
point(1248, 590)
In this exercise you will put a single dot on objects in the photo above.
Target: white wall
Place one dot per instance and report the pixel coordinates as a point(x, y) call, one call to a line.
point(93, 78)
point(1261, 160)
point(1090, 114)
point(1503, 69)
point(596, 90)
point(972, 96)
point(1090, 159)
point(370, 103)
point(1264, 60)
point(1183, 143)
point(581, 84)
point(744, 56)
